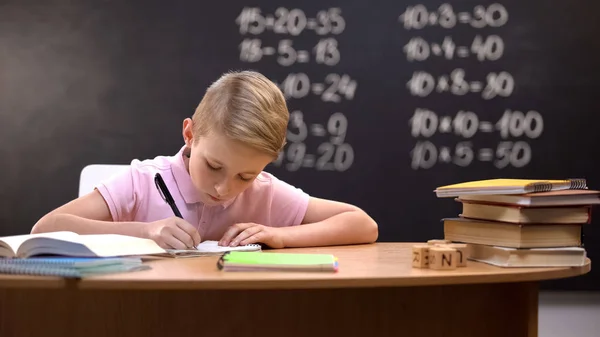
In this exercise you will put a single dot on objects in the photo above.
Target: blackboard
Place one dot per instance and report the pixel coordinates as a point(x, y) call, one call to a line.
point(389, 99)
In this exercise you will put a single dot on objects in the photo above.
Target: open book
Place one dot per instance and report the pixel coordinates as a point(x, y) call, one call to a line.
point(72, 244)
point(101, 245)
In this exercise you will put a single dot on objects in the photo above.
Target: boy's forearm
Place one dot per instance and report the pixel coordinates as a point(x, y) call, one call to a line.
point(73, 223)
point(352, 227)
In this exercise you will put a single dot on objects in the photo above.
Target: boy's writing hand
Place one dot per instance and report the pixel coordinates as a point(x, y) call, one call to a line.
point(247, 233)
point(173, 233)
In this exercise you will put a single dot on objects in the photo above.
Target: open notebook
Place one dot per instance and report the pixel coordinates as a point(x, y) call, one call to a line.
point(208, 248)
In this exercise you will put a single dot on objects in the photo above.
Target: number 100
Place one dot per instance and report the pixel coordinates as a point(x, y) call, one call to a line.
point(517, 124)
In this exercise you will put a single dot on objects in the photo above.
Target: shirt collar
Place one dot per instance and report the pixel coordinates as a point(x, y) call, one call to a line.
point(184, 181)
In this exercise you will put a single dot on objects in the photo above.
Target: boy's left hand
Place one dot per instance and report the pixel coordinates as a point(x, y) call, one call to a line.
point(246, 233)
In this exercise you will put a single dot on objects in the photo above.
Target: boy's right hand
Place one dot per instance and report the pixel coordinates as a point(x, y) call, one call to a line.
point(173, 233)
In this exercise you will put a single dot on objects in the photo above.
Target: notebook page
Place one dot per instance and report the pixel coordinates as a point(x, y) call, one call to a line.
point(209, 246)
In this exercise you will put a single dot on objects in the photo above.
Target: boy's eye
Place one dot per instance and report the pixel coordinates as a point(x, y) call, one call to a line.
point(246, 178)
point(212, 167)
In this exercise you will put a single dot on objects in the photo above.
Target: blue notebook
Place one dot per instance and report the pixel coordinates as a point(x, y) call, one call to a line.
point(69, 267)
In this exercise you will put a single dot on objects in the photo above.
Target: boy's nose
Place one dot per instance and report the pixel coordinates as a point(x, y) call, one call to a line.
point(222, 189)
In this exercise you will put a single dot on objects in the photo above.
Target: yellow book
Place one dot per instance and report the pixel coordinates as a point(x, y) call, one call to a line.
point(508, 186)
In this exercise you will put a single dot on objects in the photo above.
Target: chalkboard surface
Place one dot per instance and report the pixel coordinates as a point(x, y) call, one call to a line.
point(388, 99)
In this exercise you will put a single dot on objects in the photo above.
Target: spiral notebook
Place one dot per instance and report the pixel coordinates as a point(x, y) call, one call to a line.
point(509, 186)
point(69, 267)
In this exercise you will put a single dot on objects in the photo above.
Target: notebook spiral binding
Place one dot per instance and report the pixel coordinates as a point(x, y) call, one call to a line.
point(578, 184)
point(574, 184)
point(541, 187)
point(39, 271)
point(221, 261)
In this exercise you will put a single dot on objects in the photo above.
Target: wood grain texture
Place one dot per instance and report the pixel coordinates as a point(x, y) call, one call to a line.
point(491, 310)
point(371, 265)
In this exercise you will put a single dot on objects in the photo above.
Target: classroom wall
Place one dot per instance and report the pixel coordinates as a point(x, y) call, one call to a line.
point(569, 314)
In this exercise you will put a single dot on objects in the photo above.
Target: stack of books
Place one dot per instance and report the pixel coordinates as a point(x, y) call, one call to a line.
point(521, 222)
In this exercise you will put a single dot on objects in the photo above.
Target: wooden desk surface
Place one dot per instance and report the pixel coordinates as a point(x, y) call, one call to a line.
point(372, 265)
point(377, 294)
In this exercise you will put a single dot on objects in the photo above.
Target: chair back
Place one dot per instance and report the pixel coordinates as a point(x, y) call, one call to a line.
point(95, 173)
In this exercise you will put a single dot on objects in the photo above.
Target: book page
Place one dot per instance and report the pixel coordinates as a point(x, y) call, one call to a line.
point(15, 241)
point(119, 245)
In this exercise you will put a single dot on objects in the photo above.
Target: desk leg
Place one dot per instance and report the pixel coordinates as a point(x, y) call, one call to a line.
point(490, 310)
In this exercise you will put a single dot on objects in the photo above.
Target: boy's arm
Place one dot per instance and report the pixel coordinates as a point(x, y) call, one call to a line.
point(88, 214)
point(325, 223)
point(328, 222)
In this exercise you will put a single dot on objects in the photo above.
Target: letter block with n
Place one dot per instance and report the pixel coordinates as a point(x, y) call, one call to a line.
point(443, 258)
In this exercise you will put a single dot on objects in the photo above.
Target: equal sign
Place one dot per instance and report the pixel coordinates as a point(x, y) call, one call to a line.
point(462, 51)
point(486, 154)
point(269, 21)
point(476, 86)
point(486, 126)
point(309, 160)
point(318, 88)
point(268, 51)
point(464, 17)
point(317, 130)
point(303, 56)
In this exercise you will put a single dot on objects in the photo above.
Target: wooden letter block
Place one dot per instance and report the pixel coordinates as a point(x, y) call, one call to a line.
point(420, 256)
point(462, 250)
point(443, 258)
point(438, 242)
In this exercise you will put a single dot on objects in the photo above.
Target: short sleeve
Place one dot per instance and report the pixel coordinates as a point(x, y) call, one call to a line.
point(119, 192)
point(288, 204)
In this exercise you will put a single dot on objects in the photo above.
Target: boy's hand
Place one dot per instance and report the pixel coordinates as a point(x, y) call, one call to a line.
point(246, 233)
point(173, 233)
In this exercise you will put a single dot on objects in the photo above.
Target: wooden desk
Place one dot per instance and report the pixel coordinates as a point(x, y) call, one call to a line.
point(375, 293)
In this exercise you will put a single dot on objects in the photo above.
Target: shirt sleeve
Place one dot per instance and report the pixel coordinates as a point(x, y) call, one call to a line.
point(288, 204)
point(120, 193)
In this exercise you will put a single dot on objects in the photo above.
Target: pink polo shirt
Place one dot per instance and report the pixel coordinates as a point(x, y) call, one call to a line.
point(133, 196)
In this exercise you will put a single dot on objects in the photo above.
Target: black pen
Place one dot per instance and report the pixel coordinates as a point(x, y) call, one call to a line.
point(166, 195)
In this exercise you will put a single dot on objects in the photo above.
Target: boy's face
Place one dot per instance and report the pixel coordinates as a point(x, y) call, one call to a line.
point(221, 168)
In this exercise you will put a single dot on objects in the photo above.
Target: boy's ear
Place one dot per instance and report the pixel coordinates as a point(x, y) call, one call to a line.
point(188, 132)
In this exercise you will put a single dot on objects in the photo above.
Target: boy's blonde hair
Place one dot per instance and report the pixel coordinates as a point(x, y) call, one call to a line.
point(247, 107)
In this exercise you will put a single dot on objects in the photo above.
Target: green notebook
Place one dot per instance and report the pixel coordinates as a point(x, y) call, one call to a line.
point(265, 261)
